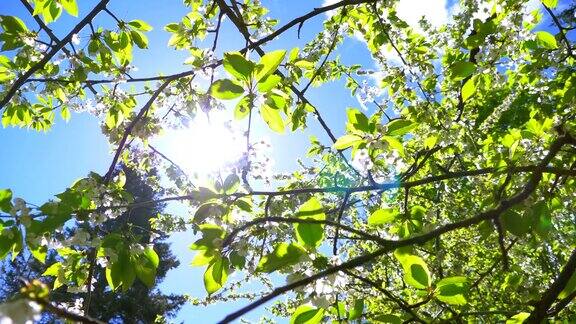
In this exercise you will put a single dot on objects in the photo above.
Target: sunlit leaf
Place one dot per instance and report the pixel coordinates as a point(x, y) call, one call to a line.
point(346, 141)
point(307, 314)
point(546, 40)
point(237, 65)
point(310, 235)
point(226, 89)
point(284, 255)
point(452, 290)
point(382, 216)
point(140, 25)
point(216, 275)
point(269, 63)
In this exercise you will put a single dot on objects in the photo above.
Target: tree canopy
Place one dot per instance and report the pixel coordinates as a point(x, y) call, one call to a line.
point(449, 197)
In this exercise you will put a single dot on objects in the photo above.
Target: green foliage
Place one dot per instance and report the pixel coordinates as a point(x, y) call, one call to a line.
point(284, 255)
point(458, 183)
point(310, 235)
point(306, 314)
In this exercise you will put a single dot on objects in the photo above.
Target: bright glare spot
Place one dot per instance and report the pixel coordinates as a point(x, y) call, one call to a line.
point(207, 146)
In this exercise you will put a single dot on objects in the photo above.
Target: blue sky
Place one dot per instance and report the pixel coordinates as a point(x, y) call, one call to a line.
point(38, 165)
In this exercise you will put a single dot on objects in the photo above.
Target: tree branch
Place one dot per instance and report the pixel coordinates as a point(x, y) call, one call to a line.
point(57, 47)
point(541, 308)
point(503, 206)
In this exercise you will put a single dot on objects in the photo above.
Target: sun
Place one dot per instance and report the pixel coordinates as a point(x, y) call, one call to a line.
point(207, 146)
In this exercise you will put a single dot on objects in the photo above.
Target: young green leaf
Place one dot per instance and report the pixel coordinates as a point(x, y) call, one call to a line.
point(310, 235)
point(399, 127)
point(518, 318)
point(12, 24)
point(452, 290)
point(202, 257)
point(145, 266)
point(5, 200)
point(515, 223)
point(469, 88)
point(346, 141)
point(382, 216)
point(231, 184)
point(226, 89)
point(268, 83)
point(70, 6)
point(273, 118)
point(462, 69)
point(121, 273)
point(546, 40)
point(242, 108)
point(550, 3)
point(139, 39)
point(307, 314)
point(237, 65)
point(269, 63)
point(139, 25)
point(284, 255)
point(416, 273)
point(357, 310)
point(216, 275)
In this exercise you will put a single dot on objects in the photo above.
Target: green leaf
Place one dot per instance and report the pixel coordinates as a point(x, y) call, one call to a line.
point(7, 239)
point(5, 200)
point(462, 69)
point(216, 275)
point(416, 273)
point(51, 12)
point(140, 25)
point(307, 314)
point(310, 235)
point(382, 216)
point(452, 290)
point(53, 269)
point(226, 89)
point(139, 39)
point(146, 265)
point(399, 127)
point(469, 88)
point(231, 184)
point(515, 223)
point(237, 65)
point(70, 6)
point(357, 121)
point(121, 272)
point(540, 217)
point(242, 108)
point(284, 255)
point(518, 318)
point(357, 310)
point(546, 40)
point(203, 257)
point(346, 141)
point(269, 63)
point(12, 25)
point(273, 118)
point(39, 252)
point(65, 113)
point(395, 144)
point(268, 83)
point(550, 3)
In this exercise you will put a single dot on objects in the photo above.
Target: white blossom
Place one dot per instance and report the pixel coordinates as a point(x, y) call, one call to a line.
point(75, 39)
point(20, 311)
point(362, 161)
